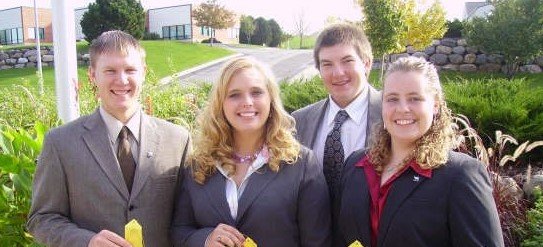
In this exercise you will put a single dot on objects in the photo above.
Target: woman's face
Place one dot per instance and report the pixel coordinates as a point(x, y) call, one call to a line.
point(408, 106)
point(247, 102)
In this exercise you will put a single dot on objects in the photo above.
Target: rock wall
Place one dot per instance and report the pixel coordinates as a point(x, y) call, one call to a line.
point(27, 57)
point(457, 55)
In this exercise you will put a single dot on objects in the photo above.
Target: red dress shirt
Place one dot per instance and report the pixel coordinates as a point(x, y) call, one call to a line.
point(379, 193)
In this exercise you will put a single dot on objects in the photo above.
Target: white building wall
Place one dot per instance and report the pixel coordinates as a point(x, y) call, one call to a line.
point(10, 18)
point(78, 16)
point(168, 16)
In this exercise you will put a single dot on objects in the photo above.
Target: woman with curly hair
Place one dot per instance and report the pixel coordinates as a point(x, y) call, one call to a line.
point(248, 176)
point(409, 188)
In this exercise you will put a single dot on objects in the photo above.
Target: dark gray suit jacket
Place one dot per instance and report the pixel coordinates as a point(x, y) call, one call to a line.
point(289, 208)
point(79, 189)
point(309, 119)
point(454, 207)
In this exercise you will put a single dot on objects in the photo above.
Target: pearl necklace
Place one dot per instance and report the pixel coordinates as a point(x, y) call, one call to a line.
point(243, 159)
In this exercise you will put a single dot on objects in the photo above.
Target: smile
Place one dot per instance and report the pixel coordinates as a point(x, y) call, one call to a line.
point(120, 92)
point(247, 114)
point(404, 121)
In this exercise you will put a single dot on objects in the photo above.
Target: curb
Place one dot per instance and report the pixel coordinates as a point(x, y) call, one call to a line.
point(169, 79)
point(306, 74)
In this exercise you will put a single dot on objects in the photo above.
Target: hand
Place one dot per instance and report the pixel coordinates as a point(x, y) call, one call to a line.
point(107, 238)
point(225, 235)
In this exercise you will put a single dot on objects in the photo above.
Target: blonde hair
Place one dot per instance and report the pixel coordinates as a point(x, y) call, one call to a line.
point(432, 148)
point(213, 141)
point(115, 41)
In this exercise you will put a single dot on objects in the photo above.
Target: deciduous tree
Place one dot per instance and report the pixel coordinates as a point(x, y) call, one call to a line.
point(423, 26)
point(211, 14)
point(246, 29)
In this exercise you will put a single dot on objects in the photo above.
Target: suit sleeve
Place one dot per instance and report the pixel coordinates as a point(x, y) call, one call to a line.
point(49, 218)
point(314, 206)
point(473, 215)
point(185, 231)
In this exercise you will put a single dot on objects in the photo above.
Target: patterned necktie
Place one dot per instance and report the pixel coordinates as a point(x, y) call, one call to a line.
point(333, 153)
point(126, 160)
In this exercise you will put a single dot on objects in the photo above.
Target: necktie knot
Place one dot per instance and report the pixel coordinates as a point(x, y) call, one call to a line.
point(123, 135)
point(340, 118)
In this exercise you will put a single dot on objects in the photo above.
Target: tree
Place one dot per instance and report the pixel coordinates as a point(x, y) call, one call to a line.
point(300, 26)
point(276, 33)
point(423, 26)
point(454, 29)
point(262, 33)
point(246, 29)
point(513, 29)
point(211, 14)
point(105, 15)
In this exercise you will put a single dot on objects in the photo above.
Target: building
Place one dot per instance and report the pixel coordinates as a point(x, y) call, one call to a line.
point(477, 9)
point(17, 25)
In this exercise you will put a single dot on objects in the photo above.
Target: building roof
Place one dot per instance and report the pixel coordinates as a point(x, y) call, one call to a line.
point(472, 7)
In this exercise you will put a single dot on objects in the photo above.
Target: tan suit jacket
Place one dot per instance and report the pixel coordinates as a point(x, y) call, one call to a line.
point(79, 189)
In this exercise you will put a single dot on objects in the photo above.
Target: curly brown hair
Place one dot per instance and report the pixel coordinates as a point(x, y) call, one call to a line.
point(432, 148)
point(214, 141)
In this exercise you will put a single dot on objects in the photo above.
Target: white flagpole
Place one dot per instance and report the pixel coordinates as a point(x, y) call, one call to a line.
point(65, 60)
point(38, 49)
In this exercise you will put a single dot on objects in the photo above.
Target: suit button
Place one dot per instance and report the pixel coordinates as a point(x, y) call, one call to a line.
point(131, 207)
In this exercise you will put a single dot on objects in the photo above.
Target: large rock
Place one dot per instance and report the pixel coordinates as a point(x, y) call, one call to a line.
point(439, 59)
point(441, 49)
point(448, 42)
point(459, 50)
point(11, 61)
point(436, 42)
point(462, 42)
point(17, 55)
point(472, 49)
point(30, 65)
point(420, 54)
point(538, 61)
point(450, 67)
point(481, 59)
point(494, 58)
point(3, 56)
point(531, 68)
point(30, 53)
point(33, 59)
point(48, 58)
point(467, 68)
point(490, 67)
point(456, 58)
point(410, 49)
point(470, 58)
point(430, 50)
point(22, 60)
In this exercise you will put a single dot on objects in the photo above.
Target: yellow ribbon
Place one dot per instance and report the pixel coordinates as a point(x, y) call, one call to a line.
point(356, 243)
point(249, 242)
point(133, 233)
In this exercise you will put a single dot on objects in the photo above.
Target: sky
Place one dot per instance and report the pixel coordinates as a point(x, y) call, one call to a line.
point(285, 12)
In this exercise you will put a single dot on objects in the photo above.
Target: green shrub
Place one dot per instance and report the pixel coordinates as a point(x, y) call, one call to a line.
point(151, 36)
point(298, 94)
point(534, 233)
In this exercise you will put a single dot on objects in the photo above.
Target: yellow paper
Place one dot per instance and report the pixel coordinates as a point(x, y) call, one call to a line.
point(133, 233)
point(249, 242)
point(356, 243)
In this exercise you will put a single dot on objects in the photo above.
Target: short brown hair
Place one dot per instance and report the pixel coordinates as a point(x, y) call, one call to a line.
point(115, 41)
point(345, 34)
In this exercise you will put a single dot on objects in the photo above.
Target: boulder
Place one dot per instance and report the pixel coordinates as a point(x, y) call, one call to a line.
point(436, 42)
point(441, 49)
point(481, 59)
point(450, 67)
point(22, 60)
point(430, 50)
point(462, 42)
point(470, 58)
point(531, 68)
point(456, 58)
point(472, 49)
point(467, 68)
point(3, 56)
point(33, 59)
point(410, 49)
point(17, 55)
point(30, 65)
point(420, 54)
point(448, 42)
point(494, 58)
point(30, 53)
point(48, 58)
point(490, 67)
point(538, 61)
point(459, 50)
point(11, 61)
point(439, 59)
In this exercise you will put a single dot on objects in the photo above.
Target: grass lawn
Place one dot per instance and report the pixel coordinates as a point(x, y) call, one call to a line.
point(163, 58)
point(308, 42)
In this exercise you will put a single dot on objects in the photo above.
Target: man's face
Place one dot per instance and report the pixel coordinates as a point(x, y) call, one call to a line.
point(119, 79)
point(343, 73)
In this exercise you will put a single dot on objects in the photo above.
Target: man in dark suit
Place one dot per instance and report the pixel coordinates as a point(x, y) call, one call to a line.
point(97, 173)
point(340, 124)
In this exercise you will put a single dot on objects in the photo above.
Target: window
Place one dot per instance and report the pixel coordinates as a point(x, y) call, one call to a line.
point(31, 33)
point(11, 36)
point(179, 32)
point(206, 31)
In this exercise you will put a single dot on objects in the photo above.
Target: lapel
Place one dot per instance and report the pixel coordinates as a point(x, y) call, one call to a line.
point(257, 182)
point(215, 190)
point(400, 191)
point(149, 142)
point(374, 112)
point(359, 205)
point(97, 140)
point(311, 126)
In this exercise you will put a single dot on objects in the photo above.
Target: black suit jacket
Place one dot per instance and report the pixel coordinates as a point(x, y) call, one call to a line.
point(288, 208)
point(454, 207)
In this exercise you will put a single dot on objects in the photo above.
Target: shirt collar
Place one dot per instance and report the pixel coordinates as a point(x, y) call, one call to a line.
point(412, 164)
point(114, 126)
point(355, 109)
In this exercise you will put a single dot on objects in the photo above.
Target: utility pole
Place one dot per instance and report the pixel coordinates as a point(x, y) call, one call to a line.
point(38, 49)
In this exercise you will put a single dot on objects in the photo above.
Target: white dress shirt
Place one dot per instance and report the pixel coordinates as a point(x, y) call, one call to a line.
point(114, 127)
point(353, 130)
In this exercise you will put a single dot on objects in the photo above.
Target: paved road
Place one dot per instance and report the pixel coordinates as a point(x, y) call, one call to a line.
point(285, 64)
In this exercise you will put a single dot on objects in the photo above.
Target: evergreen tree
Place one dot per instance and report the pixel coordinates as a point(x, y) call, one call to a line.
point(276, 34)
point(262, 33)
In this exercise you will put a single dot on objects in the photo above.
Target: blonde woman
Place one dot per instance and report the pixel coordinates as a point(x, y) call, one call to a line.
point(249, 177)
point(409, 188)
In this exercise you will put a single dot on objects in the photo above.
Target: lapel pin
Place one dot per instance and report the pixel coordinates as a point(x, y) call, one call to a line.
point(150, 154)
point(416, 178)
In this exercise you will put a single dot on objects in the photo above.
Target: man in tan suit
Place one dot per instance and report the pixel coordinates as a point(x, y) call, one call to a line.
point(97, 173)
